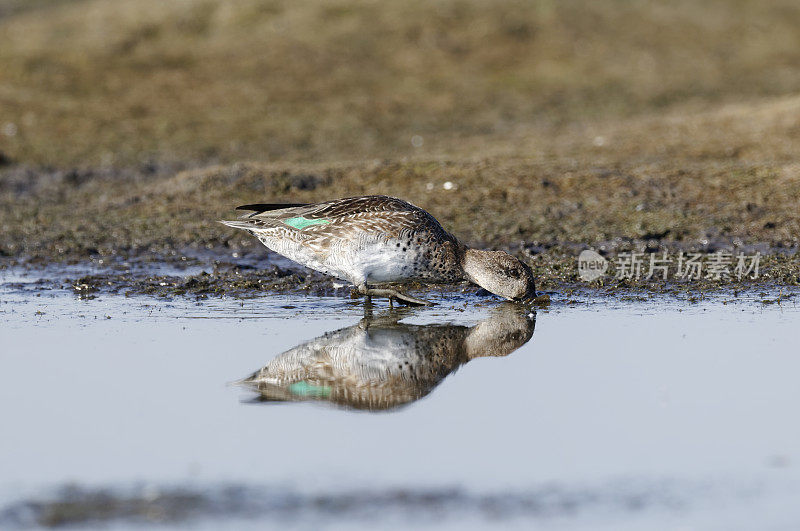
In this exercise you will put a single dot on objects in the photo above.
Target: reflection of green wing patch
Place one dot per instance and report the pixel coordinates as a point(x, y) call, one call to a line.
point(306, 389)
point(301, 222)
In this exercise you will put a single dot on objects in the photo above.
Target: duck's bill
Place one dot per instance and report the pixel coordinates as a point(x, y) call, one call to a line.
point(525, 298)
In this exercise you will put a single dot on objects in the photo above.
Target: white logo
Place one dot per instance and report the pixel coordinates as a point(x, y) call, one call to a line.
point(591, 265)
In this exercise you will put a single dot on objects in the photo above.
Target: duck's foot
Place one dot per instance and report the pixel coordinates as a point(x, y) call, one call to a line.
point(393, 295)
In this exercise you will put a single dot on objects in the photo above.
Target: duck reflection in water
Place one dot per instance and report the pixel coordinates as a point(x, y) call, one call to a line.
point(381, 363)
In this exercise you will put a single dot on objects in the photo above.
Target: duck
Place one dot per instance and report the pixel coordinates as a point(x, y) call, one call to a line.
point(375, 240)
point(382, 363)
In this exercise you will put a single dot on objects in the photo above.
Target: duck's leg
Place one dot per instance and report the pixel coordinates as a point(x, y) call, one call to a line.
point(368, 308)
point(392, 294)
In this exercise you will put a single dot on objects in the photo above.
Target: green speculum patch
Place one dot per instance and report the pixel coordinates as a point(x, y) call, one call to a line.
point(304, 388)
point(301, 222)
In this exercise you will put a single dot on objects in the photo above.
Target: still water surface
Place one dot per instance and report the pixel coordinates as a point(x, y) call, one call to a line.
point(647, 415)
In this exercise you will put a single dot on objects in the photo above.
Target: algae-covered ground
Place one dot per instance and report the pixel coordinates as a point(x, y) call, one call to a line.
point(128, 128)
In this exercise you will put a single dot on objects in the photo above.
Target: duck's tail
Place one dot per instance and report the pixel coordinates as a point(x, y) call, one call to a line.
point(258, 208)
point(239, 224)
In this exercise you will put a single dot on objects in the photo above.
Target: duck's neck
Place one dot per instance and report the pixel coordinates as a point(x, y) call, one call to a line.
point(470, 262)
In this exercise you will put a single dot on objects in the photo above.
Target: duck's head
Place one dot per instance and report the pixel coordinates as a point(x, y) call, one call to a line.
point(500, 273)
point(508, 327)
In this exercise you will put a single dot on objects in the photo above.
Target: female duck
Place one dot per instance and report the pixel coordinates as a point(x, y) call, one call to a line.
point(377, 239)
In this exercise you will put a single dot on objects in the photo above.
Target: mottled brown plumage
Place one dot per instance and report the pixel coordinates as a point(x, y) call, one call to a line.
point(378, 239)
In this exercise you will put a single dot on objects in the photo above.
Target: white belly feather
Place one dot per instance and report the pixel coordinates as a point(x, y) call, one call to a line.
point(371, 259)
point(382, 262)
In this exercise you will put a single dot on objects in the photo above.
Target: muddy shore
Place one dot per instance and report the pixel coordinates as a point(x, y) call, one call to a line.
point(107, 220)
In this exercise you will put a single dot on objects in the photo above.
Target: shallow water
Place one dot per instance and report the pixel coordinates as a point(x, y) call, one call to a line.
point(646, 415)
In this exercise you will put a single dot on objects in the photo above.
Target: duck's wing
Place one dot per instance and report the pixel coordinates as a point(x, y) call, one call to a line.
point(375, 212)
point(338, 208)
